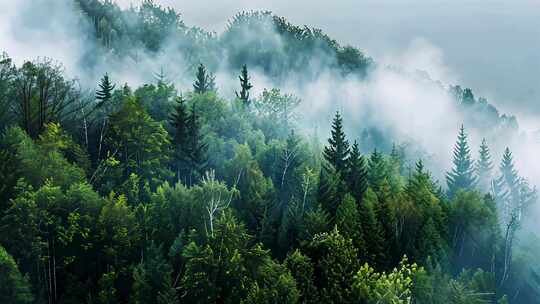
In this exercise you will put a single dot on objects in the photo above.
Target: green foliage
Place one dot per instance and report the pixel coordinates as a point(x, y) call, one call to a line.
point(394, 287)
point(337, 151)
point(245, 86)
point(14, 287)
point(462, 175)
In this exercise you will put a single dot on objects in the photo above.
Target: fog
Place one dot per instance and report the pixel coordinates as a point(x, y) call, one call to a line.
point(491, 47)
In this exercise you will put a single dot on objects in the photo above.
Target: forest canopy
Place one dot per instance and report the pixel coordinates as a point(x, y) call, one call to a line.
point(161, 193)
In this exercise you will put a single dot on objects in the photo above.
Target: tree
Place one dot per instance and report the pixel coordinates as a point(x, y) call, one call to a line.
point(462, 175)
point(104, 93)
point(205, 82)
point(506, 187)
point(357, 175)
point(372, 230)
point(43, 96)
point(180, 120)
point(377, 170)
point(484, 166)
point(336, 262)
point(14, 287)
point(140, 143)
point(337, 152)
point(197, 147)
point(395, 287)
point(245, 86)
point(301, 268)
point(348, 221)
point(151, 276)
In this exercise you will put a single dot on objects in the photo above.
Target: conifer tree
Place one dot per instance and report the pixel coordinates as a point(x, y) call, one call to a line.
point(205, 82)
point(462, 175)
point(484, 166)
point(372, 230)
point(386, 216)
point(328, 192)
point(377, 170)
point(347, 220)
point(104, 93)
point(337, 152)
point(506, 185)
point(196, 145)
point(179, 120)
point(245, 86)
point(357, 177)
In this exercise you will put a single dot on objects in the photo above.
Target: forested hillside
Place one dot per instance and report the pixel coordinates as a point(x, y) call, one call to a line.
point(156, 192)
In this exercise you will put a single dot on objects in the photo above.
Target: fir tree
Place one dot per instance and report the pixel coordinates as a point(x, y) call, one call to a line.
point(357, 175)
point(245, 86)
point(347, 220)
point(104, 93)
point(197, 148)
point(462, 175)
point(205, 82)
point(372, 230)
point(484, 166)
point(377, 170)
point(337, 152)
point(506, 185)
point(179, 120)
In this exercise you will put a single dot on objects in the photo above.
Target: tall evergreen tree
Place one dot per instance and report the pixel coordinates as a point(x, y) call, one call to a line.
point(372, 230)
point(337, 152)
point(245, 86)
point(506, 185)
point(104, 93)
point(377, 170)
point(196, 145)
point(462, 175)
point(484, 167)
point(179, 120)
point(205, 82)
point(357, 175)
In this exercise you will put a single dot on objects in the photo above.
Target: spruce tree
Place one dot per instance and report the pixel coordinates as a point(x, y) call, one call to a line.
point(377, 170)
point(506, 189)
point(372, 230)
point(337, 152)
point(462, 175)
point(347, 220)
point(205, 82)
point(196, 145)
point(357, 175)
point(484, 166)
point(245, 86)
point(179, 121)
point(104, 93)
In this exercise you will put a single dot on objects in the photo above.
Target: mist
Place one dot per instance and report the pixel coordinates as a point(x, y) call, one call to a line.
point(405, 96)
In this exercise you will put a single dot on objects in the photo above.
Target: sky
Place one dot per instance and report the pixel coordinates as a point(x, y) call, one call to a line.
point(490, 46)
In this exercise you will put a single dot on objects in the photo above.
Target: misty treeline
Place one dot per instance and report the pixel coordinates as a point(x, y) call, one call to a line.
point(151, 195)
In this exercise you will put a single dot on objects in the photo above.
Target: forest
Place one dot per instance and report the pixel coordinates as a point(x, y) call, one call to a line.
point(161, 192)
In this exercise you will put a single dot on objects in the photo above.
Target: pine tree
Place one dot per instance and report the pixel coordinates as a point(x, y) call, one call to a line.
point(245, 86)
point(462, 175)
point(331, 190)
point(484, 166)
point(357, 175)
point(104, 93)
point(337, 152)
point(205, 82)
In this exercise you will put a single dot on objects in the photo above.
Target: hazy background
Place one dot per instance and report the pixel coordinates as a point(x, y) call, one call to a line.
point(490, 46)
